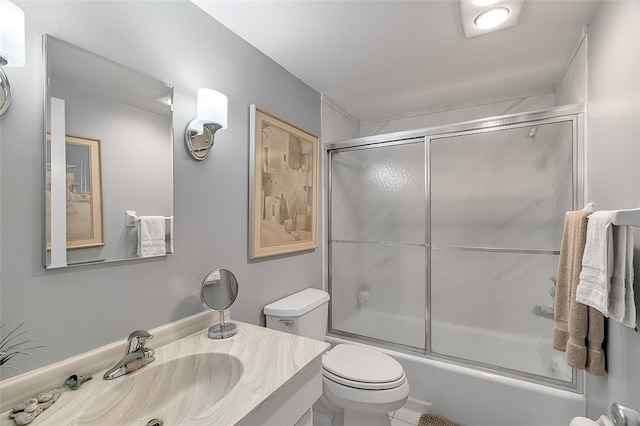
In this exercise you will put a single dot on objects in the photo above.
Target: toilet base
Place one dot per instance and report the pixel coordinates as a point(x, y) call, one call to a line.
point(357, 418)
point(323, 415)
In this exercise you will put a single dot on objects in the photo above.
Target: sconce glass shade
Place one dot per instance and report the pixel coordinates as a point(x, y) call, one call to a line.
point(11, 34)
point(211, 116)
point(212, 107)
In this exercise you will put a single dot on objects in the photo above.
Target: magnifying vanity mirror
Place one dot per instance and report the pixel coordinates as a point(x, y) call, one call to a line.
point(218, 292)
point(108, 151)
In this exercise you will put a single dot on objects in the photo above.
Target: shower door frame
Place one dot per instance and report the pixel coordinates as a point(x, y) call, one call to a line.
point(572, 113)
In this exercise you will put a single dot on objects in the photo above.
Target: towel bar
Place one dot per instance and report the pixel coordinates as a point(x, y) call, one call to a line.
point(131, 218)
point(629, 217)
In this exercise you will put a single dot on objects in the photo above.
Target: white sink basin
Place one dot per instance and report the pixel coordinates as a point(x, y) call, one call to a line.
point(173, 391)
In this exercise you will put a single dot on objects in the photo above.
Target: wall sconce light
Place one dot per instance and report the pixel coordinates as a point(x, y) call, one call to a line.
point(211, 117)
point(11, 47)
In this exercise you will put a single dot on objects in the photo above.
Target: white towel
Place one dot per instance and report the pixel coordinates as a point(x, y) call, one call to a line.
point(597, 263)
point(151, 236)
point(606, 279)
point(621, 299)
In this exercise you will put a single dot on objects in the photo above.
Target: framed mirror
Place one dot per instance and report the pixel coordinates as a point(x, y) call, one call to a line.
point(108, 159)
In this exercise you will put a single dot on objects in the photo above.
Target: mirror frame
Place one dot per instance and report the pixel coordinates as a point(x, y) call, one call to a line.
point(232, 296)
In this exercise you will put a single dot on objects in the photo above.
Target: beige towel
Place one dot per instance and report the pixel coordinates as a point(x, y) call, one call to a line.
point(575, 322)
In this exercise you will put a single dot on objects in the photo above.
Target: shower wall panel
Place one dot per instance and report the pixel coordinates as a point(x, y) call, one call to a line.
point(378, 194)
point(493, 297)
point(378, 291)
point(503, 189)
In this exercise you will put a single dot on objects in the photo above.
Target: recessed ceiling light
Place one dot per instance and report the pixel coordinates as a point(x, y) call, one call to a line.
point(491, 18)
point(472, 22)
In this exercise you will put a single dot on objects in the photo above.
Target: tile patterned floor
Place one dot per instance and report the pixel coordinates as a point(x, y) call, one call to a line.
point(404, 417)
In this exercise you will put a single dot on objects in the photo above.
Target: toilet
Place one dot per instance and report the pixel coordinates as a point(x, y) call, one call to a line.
point(360, 385)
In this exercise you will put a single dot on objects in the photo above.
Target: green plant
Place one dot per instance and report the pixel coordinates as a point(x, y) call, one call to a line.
point(9, 348)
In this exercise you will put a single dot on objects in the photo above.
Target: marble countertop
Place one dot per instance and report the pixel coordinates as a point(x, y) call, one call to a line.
point(270, 360)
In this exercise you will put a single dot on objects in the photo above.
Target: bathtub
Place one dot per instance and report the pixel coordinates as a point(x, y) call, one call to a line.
point(528, 354)
point(473, 397)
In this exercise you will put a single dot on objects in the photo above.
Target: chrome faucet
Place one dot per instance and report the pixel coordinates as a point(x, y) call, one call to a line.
point(135, 357)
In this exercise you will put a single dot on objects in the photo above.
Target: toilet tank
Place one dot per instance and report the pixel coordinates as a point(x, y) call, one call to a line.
point(304, 313)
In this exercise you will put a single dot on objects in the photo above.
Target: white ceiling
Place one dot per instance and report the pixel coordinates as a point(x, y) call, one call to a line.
point(384, 58)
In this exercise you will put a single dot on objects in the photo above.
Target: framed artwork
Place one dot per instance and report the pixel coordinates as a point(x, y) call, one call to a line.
point(83, 193)
point(283, 193)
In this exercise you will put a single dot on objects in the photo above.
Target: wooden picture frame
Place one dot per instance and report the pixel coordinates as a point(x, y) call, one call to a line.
point(283, 193)
point(83, 193)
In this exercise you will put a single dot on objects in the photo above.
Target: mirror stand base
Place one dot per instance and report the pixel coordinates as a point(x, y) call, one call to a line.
point(222, 331)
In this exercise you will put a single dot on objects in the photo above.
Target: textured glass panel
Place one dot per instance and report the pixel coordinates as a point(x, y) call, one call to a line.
point(505, 188)
point(496, 309)
point(378, 194)
point(378, 291)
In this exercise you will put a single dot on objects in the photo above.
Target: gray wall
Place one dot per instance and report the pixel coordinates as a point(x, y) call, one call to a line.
point(75, 310)
point(613, 172)
point(605, 73)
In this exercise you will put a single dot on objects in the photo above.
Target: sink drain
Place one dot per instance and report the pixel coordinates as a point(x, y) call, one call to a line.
point(154, 422)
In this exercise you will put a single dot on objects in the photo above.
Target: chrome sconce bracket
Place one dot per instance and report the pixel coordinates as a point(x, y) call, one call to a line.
point(12, 47)
point(211, 117)
point(5, 91)
point(199, 138)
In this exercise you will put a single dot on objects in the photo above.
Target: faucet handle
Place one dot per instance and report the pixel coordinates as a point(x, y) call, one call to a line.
point(149, 355)
point(139, 337)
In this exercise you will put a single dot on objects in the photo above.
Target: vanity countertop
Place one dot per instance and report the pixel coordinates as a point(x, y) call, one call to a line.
point(270, 361)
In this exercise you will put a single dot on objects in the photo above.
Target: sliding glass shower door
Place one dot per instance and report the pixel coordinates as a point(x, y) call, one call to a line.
point(445, 241)
point(378, 242)
point(498, 200)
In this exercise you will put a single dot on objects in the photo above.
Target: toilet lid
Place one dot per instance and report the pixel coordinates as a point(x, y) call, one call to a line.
point(362, 367)
point(326, 374)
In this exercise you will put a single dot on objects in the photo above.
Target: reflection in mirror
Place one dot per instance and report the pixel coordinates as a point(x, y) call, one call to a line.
point(109, 150)
point(218, 292)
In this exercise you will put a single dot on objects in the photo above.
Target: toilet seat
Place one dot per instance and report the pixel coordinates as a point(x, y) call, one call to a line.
point(362, 385)
point(362, 368)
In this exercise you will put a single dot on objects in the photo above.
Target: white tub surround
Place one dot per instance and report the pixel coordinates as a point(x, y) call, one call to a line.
point(279, 379)
point(474, 397)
